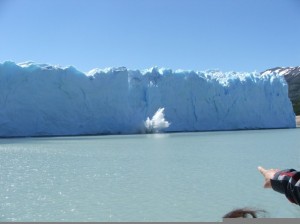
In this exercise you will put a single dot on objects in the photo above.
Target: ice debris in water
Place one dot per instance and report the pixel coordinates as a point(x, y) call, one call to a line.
point(157, 123)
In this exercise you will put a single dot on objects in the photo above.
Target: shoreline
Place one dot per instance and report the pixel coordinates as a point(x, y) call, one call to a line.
point(298, 121)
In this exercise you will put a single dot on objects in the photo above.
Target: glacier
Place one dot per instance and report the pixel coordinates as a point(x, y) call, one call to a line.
point(48, 100)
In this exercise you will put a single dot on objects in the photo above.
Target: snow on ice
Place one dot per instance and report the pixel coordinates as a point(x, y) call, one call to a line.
point(46, 100)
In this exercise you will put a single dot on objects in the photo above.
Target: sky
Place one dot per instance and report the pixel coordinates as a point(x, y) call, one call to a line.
point(230, 35)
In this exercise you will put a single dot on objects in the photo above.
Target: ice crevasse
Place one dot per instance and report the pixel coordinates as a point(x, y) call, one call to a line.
point(47, 100)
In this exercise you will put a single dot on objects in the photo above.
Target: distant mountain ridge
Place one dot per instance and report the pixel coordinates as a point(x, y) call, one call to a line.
point(292, 77)
point(287, 71)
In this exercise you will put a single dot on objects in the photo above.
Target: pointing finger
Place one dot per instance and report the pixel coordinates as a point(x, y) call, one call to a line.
point(262, 170)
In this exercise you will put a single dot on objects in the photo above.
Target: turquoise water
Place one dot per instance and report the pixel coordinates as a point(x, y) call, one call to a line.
point(159, 177)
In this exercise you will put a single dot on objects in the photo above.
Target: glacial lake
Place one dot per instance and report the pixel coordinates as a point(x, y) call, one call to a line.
point(155, 177)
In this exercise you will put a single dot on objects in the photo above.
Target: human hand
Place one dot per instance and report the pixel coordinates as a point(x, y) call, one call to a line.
point(268, 175)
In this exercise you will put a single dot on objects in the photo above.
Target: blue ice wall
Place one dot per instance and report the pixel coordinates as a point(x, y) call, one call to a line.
point(43, 100)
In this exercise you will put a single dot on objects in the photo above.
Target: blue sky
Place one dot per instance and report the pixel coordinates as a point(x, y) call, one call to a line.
point(237, 35)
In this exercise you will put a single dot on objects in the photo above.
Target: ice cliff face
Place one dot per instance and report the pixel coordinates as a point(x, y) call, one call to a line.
point(42, 100)
point(292, 77)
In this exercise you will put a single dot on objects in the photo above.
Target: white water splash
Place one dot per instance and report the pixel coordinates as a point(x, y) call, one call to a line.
point(157, 122)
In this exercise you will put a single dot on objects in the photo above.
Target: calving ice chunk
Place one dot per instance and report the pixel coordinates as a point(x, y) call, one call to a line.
point(157, 122)
point(47, 100)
